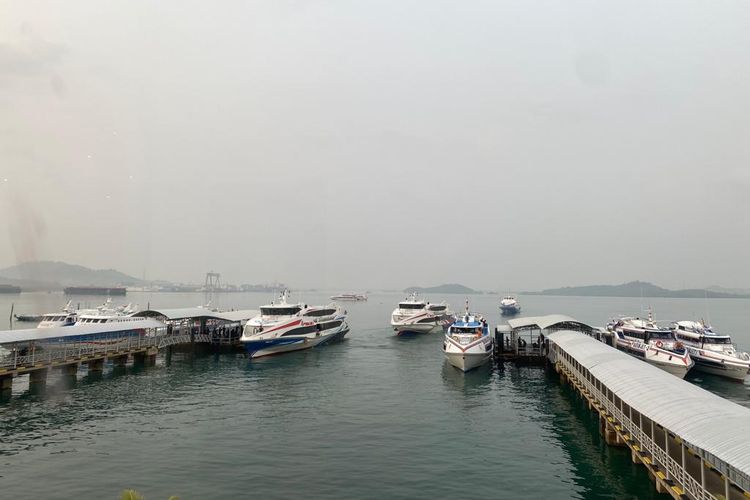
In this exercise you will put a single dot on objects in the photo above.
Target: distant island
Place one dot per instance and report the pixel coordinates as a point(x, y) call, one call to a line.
point(447, 288)
point(48, 275)
point(638, 289)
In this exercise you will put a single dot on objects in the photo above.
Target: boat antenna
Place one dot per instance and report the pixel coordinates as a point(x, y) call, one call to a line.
point(705, 302)
point(10, 318)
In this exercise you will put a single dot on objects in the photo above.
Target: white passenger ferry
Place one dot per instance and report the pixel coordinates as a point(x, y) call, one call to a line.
point(712, 353)
point(283, 327)
point(645, 340)
point(414, 315)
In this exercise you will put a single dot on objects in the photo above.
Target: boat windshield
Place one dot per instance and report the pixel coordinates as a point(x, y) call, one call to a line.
point(405, 305)
point(717, 340)
point(660, 335)
point(466, 330)
point(279, 311)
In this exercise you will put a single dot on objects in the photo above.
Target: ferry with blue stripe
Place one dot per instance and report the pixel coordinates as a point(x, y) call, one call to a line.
point(468, 343)
point(282, 327)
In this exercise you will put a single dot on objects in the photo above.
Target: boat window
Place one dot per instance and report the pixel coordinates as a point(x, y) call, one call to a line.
point(660, 335)
point(410, 306)
point(300, 331)
point(330, 324)
point(279, 311)
point(464, 330)
point(717, 340)
point(320, 312)
point(437, 308)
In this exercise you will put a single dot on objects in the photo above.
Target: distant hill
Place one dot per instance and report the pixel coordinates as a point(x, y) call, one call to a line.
point(636, 289)
point(57, 275)
point(447, 288)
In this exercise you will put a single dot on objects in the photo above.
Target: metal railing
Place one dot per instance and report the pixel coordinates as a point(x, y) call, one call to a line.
point(45, 354)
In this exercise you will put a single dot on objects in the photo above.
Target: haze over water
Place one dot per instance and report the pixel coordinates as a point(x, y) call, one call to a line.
point(370, 417)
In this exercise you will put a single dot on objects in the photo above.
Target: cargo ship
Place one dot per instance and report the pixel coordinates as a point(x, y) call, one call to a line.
point(95, 290)
point(10, 289)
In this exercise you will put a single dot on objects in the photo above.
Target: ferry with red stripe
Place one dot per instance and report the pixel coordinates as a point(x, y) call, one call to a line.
point(282, 327)
point(414, 315)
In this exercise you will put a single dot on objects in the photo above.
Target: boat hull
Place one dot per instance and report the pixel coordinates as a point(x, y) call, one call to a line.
point(678, 370)
point(671, 362)
point(402, 329)
point(728, 368)
point(509, 310)
point(466, 361)
point(281, 345)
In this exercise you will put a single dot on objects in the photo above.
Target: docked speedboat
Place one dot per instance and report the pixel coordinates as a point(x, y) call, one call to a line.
point(66, 317)
point(644, 339)
point(414, 315)
point(350, 296)
point(468, 343)
point(712, 353)
point(509, 306)
point(283, 327)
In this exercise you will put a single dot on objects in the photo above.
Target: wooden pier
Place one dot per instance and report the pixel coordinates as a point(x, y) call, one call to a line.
point(694, 444)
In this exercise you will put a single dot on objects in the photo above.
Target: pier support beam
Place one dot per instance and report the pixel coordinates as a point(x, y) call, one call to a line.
point(119, 361)
point(70, 370)
point(96, 365)
point(146, 358)
point(38, 376)
point(635, 457)
point(6, 383)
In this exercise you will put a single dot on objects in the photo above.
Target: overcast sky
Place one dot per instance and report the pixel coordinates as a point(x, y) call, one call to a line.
point(507, 145)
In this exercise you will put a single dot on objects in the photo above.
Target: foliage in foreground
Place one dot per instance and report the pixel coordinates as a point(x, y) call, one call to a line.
point(134, 495)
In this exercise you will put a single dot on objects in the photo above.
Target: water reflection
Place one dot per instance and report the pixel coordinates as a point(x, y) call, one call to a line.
point(471, 383)
point(738, 392)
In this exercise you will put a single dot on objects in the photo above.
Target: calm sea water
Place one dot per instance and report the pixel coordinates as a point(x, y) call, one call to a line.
point(372, 417)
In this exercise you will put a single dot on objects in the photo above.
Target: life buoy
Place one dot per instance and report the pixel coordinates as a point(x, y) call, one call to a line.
point(659, 344)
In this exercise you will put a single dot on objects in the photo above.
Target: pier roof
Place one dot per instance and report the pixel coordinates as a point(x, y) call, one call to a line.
point(701, 418)
point(29, 334)
point(544, 322)
point(198, 313)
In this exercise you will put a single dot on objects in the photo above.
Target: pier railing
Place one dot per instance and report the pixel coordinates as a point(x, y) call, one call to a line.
point(658, 456)
point(50, 354)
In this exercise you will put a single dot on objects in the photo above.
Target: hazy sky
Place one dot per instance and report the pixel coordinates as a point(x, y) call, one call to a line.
point(506, 145)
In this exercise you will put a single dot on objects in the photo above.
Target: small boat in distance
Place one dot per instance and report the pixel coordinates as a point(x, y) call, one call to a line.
point(712, 353)
point(414, 315)
point(468, 343)
point(350, 296)
point(28, 318)
point(509, 306)
point(644, 339)
point(284, 327)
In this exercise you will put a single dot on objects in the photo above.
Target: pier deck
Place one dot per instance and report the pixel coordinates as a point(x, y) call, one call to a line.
point(694, 444)
point(35, 351)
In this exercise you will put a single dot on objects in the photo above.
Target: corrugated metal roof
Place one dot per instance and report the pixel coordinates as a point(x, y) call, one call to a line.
point(543, 322)
point(240, 316)
point(28, 334)
point(182, 313)
point(701, 418)
point(199, 312)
